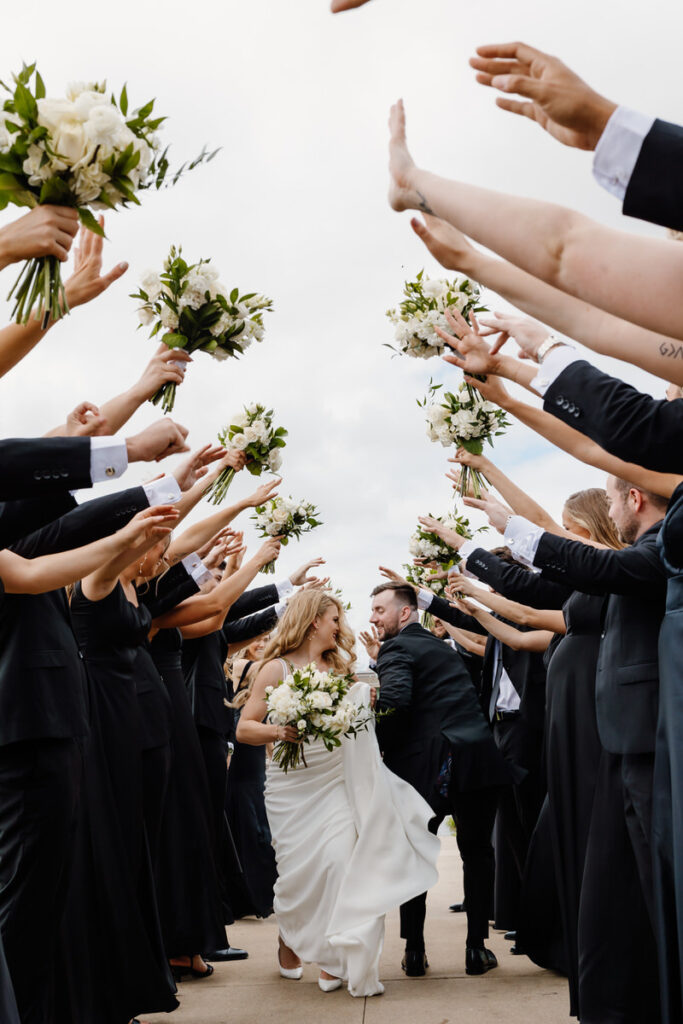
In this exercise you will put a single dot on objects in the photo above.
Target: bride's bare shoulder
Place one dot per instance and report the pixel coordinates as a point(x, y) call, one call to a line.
point(270, 673)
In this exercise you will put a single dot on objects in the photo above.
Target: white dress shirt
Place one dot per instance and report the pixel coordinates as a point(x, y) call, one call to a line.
point(618, 149)
point(164, 491)
point(108, 458)
point(197, 570)
point(508, 698)
point(523, 537)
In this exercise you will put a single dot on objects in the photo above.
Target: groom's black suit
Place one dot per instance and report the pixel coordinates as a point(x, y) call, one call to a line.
point(435, 712)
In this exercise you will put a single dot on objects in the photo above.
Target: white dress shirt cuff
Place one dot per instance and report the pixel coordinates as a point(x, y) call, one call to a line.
point(197, 570)
point(523, 538)
point(108, 458)
point(557, 360)
point(284, 589)
point(162, 492)
point(280, 609)
point(424, 599)
point(372, 664)
point(618, 148)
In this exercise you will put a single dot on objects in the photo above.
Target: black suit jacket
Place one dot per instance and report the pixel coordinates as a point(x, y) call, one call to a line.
point(34, 467)
point(433, 705)
point(627, 681)
point(655, 191)
point(42, 682)
point(254, 600)
point(515, 582)
point(623, 421)
point(526, 669)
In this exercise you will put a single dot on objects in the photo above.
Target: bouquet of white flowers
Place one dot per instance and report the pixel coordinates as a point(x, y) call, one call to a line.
point(83, 150)
point(197, 312)
point(465, 420)
point(424, 576)
point(429, 547)
point(252, 432)
point(424, 309)
point(317, 705)
point(285, 518)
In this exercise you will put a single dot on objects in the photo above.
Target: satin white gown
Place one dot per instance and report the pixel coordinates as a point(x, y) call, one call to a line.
point(351, 842)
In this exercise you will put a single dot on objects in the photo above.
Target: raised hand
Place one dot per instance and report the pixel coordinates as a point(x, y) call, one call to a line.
point(87, 280)
point(529, 334)
point(471, 353)
point(492, 389)
point(394, 577)
point(85, 421)
point(446, 244)
point(264, 493)
point(450, 537)
point(167, 365)
point(371, 642)
point(157, 441)
point(498, 514)
point(269, 550)
point(301, 577)
point(45, 231)
point(149, 526)
point(234, 560)
point(555, 98)
point(216, 551)
point(233, 460)
point(317, 583)
point(192, 469)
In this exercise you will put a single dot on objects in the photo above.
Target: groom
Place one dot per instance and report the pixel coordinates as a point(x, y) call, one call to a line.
point(437, 739)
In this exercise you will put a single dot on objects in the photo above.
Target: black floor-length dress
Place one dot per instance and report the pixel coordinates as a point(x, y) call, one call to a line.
point(114, 962)
point(245, 807)
point(188, 887)
point(8, 1006)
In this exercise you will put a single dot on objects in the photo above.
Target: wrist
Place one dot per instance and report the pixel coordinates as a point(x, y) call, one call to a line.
point(131, 450)
point(602, 111)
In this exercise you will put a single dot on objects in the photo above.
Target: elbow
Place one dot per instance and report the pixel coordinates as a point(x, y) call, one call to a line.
point(559, 246)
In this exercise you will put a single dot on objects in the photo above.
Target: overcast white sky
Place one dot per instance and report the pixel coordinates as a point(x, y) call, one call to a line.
point(294, 206)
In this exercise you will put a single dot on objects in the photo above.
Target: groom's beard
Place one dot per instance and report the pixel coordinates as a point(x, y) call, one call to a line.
point(391, 631)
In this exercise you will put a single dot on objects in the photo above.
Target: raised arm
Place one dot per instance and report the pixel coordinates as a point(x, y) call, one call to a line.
point(144, 530)
point(522, 614)
point(602, 332)
point(517, 639)
point(472, 642)
point(563, 248)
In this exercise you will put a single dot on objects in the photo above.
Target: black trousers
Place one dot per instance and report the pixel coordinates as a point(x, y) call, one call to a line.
point(518, 811)
point(474, 813)
point(617, 954)
point(40, 786)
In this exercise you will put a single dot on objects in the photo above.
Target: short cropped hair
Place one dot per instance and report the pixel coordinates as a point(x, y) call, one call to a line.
point(658, 500)
point(404, 592)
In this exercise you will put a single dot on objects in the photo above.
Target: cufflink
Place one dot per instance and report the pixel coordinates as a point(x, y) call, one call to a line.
point(110, 471)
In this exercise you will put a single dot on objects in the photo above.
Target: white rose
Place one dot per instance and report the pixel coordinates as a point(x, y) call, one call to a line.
point(145, 315)
point(89, 182)
point(103, 124)
point(240, 420)
point(301, 725)
point(274, 460)
point(239, 442)
point(74, 89)
point(33, 165)
point(252, 409)
point(272, 529)
point(168, 318)
point(250, 434)
point(87, 100)
point(280, 515)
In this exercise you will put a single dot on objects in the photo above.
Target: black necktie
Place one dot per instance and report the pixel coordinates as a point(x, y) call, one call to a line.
point(495, 691)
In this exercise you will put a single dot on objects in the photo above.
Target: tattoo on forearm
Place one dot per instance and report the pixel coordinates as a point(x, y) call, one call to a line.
point(423, 204)
point(669, 349)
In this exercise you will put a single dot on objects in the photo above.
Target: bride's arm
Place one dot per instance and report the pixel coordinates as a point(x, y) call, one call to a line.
point(251, 729)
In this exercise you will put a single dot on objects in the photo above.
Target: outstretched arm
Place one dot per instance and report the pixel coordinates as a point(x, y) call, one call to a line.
point(563, 248)
point(517, 639)
point(522, 614)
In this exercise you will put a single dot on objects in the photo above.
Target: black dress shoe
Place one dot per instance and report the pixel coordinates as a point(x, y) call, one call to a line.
point(510, 936)
point(458, 908)
point(414, 963)
point(479, 961)
point(516, 951)
point(223, 955)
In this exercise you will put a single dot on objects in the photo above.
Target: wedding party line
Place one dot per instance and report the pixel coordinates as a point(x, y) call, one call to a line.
point(183, 746)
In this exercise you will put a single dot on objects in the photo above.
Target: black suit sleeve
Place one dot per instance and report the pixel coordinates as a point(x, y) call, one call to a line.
point(164, 594)
point(19, 518)
point(633, 426)
point(85, 524)
point(453, 616)
point(245, 629)
point(254, 600)
point(33, 467)
point(655, 191)
point(516, 583)
point(395, 672)
point(636, 570)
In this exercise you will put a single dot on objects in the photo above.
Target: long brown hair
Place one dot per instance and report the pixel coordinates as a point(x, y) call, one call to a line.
point(590, 509)
point(294, 626)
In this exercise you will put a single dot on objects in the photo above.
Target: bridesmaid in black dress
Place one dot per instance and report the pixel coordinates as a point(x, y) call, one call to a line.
point(114, 960)
point(8, 1006)
point(246, 811)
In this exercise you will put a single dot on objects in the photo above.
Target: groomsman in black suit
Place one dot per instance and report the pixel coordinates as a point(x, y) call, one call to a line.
point(436, 738)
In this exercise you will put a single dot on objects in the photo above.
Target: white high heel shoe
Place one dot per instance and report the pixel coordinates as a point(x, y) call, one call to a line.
point(329, 984)
point(291, 973)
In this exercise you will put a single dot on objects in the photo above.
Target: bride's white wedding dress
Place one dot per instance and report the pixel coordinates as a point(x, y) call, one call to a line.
point(351, 843)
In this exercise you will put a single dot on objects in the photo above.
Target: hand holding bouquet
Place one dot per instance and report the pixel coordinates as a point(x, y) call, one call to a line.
point(196, 312)
point(465, 420)
point(426, 577)
point(424, 309)
point(83, 150)
point(253, 433)
point(285, 518)
point(428, 546)
point(318, 706)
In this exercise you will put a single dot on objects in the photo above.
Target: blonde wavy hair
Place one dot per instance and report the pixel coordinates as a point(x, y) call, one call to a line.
point(590, 509)
point(295, 627)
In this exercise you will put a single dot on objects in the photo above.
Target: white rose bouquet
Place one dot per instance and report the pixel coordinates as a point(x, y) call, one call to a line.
point(197, 312)
point(83, 150)
point(285, 518)
point(317, 705)
point(465, 420)
point(252, 432)
point(424, 576)
point(428, 547)
point(423, 310)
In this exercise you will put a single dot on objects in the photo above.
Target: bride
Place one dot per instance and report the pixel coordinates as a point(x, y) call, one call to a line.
point(350, 837)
